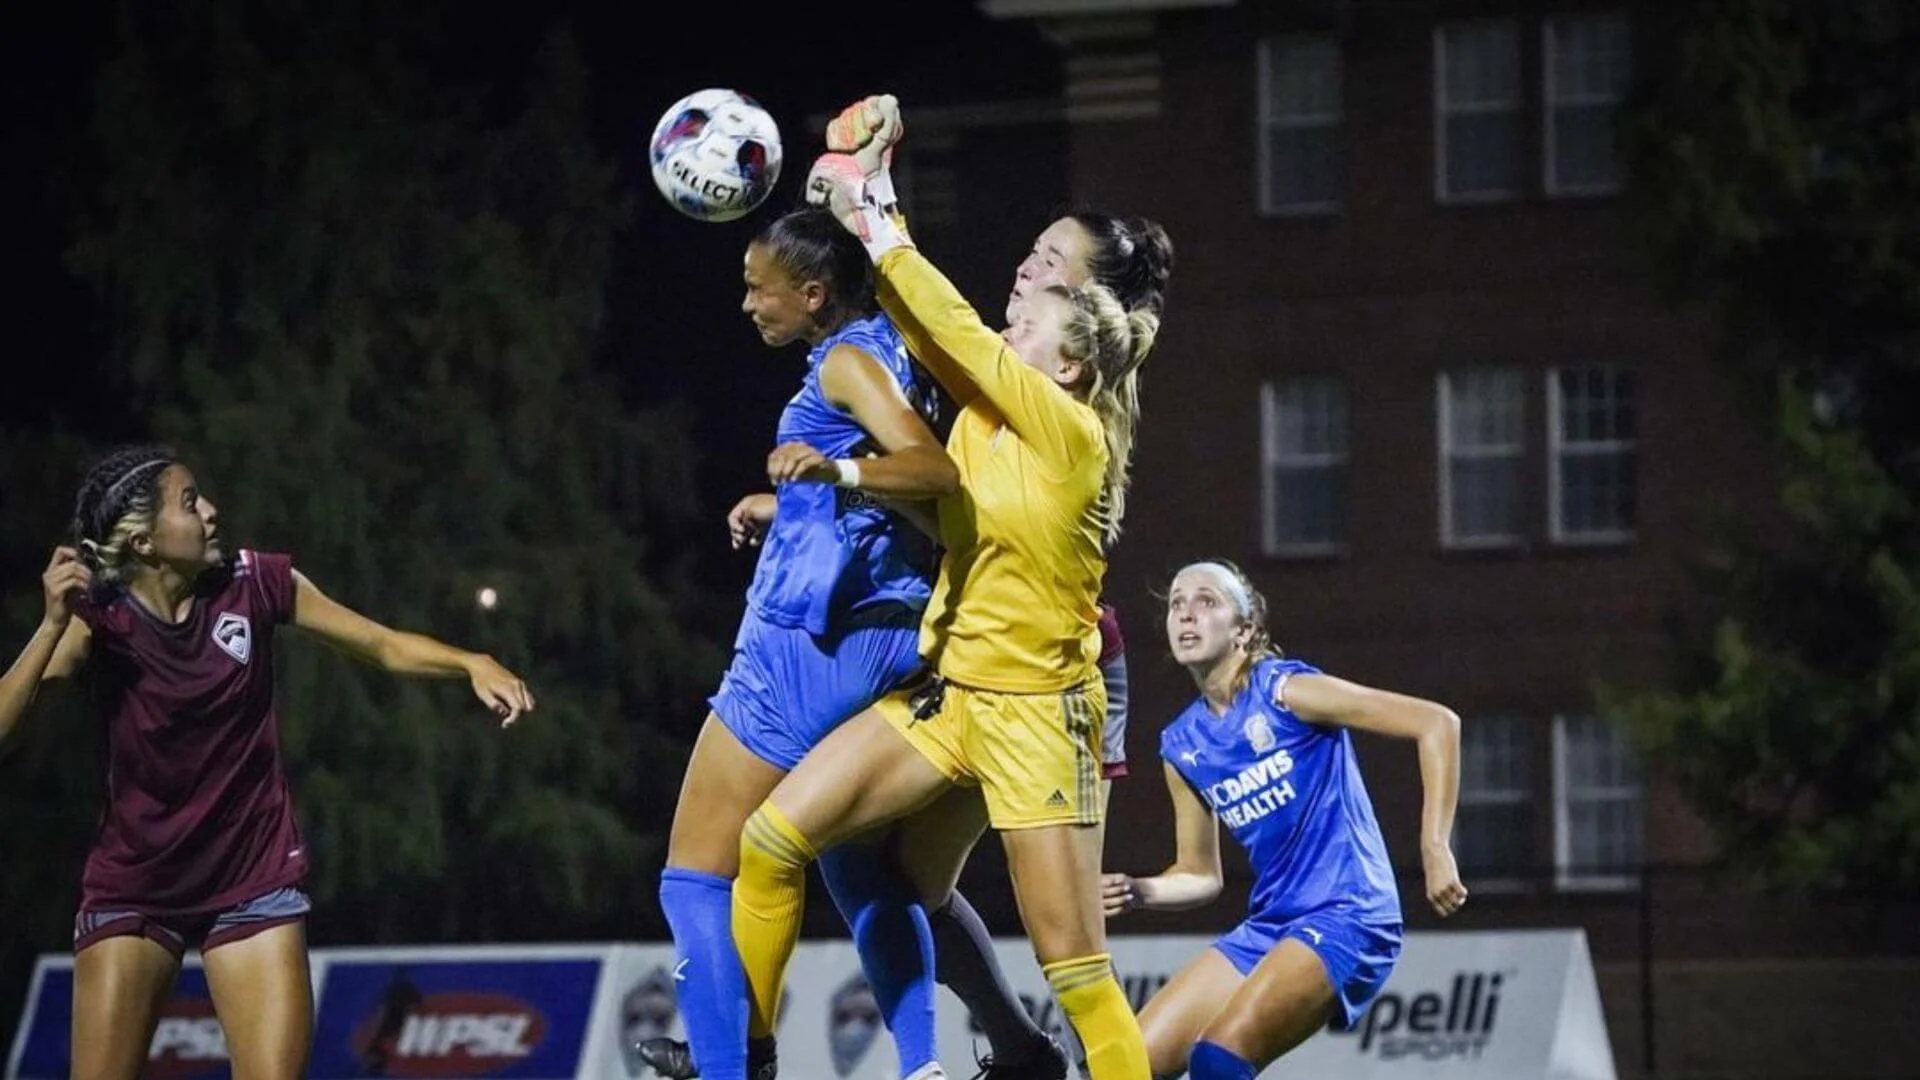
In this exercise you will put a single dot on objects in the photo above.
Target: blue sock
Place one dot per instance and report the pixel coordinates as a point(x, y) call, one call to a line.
point(710, 984)
point(1210, 1061)
point(894, 941)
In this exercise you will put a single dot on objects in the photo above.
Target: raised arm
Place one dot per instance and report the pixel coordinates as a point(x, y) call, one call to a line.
point(912, 465)
point(1193, 879)
point(914, 293)
point(404, 653)
point(59, 645)
point(952, 377)
point(1323, 699)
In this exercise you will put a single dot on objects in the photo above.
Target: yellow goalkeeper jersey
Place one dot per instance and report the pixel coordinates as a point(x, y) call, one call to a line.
point(1015, 608)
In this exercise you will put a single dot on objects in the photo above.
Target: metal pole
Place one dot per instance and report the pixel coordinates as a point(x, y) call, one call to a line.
point(1646, 974)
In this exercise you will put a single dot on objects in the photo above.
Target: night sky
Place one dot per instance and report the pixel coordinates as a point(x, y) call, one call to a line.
point(675, 296)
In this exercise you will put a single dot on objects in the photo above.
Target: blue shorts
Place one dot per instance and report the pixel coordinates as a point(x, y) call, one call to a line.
point(176, 933)
point(1359, 951)
point(786, 689)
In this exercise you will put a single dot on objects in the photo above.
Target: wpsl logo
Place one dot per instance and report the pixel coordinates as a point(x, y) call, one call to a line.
point(853, 1020)
point(234, 634)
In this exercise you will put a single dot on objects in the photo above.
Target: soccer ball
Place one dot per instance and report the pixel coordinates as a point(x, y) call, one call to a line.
point(716, 155)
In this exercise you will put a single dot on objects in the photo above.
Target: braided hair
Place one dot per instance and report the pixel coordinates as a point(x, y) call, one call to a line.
point(119, 498)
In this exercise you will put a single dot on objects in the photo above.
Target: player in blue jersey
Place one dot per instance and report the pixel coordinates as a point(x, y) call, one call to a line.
point(832, 623)
point(1133, 257)
point(1266, 750)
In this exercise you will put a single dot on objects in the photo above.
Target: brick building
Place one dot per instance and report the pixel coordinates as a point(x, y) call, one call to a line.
point(1415, 378)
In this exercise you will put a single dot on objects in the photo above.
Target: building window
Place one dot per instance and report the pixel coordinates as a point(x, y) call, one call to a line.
point(1482, 449)
point(1476, 83)
point(928, 180)
point(1598, 837)
point(1304, 450)
point(1589, 64)
point(1493, 828)
point(1591, 455)
point(1302, 158)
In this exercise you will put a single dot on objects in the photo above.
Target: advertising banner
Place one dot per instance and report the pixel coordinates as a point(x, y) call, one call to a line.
point(1494, 1005)
point(187, 1041)
point(525, 1012)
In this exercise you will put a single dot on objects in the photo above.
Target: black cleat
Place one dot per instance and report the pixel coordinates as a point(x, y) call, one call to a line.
point(1045, 1061)
point(763, 1060)
point(669, 1058)
point(673, 1059)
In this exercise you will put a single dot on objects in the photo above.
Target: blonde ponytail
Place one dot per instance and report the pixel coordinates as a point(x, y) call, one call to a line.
point(1114, 343)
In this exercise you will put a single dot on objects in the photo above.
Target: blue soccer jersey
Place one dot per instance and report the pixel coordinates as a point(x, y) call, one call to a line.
point(830, 551)
point(1291, 794)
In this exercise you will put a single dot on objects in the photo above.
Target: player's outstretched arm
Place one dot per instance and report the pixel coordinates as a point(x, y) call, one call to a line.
point(1194, 878)
point(1323, 699)
point(405, 653)
point(944, 331)
point(912, 463)
point(59, 644)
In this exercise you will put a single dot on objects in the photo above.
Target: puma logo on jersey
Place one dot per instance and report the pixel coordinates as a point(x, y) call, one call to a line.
point(234, 634)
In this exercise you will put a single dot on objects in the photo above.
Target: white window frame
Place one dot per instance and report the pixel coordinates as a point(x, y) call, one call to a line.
point(1273, 458)
point(1443, 415)
point(1586, 879)
point(1442, 110)
point(1522, 728)
point(926, 179)
point(1267, 121)
point(1551, 101)
point(1559, 448)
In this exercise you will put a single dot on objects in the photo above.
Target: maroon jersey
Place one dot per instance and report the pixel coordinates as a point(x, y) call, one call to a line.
point(198, 816)
point(1111, 643)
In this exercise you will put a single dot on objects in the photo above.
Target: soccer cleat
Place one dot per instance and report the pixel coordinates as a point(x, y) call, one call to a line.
point(670, 1058)
point(930, 1071)
point(673, 1059)
point(1045, 1061)
point(763, 1062)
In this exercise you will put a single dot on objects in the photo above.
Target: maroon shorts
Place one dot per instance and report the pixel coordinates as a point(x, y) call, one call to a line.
point(205, 931)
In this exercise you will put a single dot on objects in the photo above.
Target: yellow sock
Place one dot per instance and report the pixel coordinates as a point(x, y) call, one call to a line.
point(768, 897)
point(1098, 1010)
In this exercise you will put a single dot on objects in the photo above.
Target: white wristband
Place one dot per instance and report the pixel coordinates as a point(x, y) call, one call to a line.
point(878, 231)
point(880, 188)
point(849, 471)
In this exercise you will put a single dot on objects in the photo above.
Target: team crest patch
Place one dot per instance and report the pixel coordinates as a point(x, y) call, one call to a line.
point(1260, 733)
point(234, 634)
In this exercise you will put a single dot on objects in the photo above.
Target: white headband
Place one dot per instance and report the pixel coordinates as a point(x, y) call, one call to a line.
point(1242, 601)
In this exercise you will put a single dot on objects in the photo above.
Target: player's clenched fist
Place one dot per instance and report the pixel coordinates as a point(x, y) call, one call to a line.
point(66, 580)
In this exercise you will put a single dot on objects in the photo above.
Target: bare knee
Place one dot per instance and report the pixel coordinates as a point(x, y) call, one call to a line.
point(1262, 1035)
point(1166, 1057)
point(1056, 879)
point(119, 987)
point(724, 783)
point(702, 848)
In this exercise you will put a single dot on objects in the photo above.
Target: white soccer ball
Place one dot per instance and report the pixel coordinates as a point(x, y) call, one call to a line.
point(716, 155)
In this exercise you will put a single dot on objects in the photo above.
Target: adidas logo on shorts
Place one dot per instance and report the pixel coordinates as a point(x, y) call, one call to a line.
point(1057, 800)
